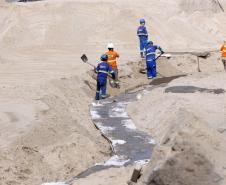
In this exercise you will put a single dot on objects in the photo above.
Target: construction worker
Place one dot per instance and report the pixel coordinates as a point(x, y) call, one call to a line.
point(150, 59)
point(103, 70)
point(112, 56)
point(143, 37)
point(223, 54)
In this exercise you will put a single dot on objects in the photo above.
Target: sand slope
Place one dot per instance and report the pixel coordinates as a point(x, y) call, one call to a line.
point(46, 132)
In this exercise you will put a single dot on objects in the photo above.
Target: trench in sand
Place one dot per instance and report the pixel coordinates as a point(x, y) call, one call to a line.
point(129, 145)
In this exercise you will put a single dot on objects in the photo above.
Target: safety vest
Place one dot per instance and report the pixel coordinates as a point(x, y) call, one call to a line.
point(112, 56)
point(223, 50)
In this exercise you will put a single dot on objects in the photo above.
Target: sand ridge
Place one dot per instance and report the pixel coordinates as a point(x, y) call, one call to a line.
point(47, 134)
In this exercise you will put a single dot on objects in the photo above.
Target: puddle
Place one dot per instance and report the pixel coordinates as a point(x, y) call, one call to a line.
point(193, 89)
point(164, 80)
point(129, 145)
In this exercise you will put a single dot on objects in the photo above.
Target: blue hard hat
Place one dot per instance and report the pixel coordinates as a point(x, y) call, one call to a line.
point(142, 21)
point(150, 43)
point(104, 57)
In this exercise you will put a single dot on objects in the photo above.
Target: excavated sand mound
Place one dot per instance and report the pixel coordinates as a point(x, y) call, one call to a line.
point(45, 90)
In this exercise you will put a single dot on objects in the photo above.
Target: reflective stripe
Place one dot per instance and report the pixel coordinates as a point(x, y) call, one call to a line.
point(111, 71)
point(149, 49)
point(111, 61)
point(141, 34)
point(97, 91)
point(152, 53)
point(101, 71)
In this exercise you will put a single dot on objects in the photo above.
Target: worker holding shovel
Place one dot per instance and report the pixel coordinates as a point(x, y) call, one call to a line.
point(223, 54)
point(103, 70)
point(112, 61)
point(151, 59)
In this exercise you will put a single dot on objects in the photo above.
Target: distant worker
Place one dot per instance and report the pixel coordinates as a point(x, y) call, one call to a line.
point(103, 70)
point(223, 54)
point(151, 59)
point(143, 37)
point(112, 61)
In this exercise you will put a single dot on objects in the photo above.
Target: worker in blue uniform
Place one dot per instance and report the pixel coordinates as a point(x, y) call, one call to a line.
point(103, 70)
point(151, 59)
point(143, 37)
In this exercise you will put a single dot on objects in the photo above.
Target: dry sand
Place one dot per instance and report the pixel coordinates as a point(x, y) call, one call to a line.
point(46, 131)
point(189, 129)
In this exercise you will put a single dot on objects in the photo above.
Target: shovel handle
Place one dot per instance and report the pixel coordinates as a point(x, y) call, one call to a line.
point(85, 60)
point(159, 56)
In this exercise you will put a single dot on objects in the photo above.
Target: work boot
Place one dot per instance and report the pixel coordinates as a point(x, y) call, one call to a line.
point(103, 97)
point(142, 55)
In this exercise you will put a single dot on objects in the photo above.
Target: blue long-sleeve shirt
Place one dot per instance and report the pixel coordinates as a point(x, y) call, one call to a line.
point(104, 70)
point(150, 52)
point(142, 32)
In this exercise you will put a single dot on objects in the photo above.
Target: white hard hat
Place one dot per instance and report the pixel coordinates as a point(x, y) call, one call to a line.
point(110, 45)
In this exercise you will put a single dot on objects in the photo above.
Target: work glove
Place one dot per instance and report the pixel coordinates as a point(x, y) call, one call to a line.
point(161, 50)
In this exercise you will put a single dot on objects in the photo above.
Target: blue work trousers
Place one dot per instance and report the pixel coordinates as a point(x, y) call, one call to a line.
point(101, 87)
point(151, 69)
point(143, 43)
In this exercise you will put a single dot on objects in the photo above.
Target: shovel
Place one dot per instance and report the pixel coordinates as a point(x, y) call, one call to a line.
point(85, 60)
point(168, 56)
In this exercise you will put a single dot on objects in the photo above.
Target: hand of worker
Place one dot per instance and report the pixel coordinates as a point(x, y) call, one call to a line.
point(112, 81)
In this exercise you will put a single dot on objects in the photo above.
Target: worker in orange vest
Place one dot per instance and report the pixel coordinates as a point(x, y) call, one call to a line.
point(112, 61)
point(223, 54)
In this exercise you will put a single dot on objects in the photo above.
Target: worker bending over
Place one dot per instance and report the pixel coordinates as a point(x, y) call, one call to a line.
point(103, 70)
point(151, 59)
point(112, 61)
point(223, 54)
point(143, 37)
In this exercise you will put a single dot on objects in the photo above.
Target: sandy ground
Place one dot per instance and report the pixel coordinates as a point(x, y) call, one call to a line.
point(46, 131)
point(189, 129)
point(110, 177)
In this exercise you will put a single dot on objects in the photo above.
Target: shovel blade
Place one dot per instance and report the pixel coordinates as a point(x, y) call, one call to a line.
point(84, 58)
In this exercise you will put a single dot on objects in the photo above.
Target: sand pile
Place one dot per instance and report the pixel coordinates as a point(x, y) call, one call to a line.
point(46, 91)
point(48, 135)
point(187, 159)
point(189, 128)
